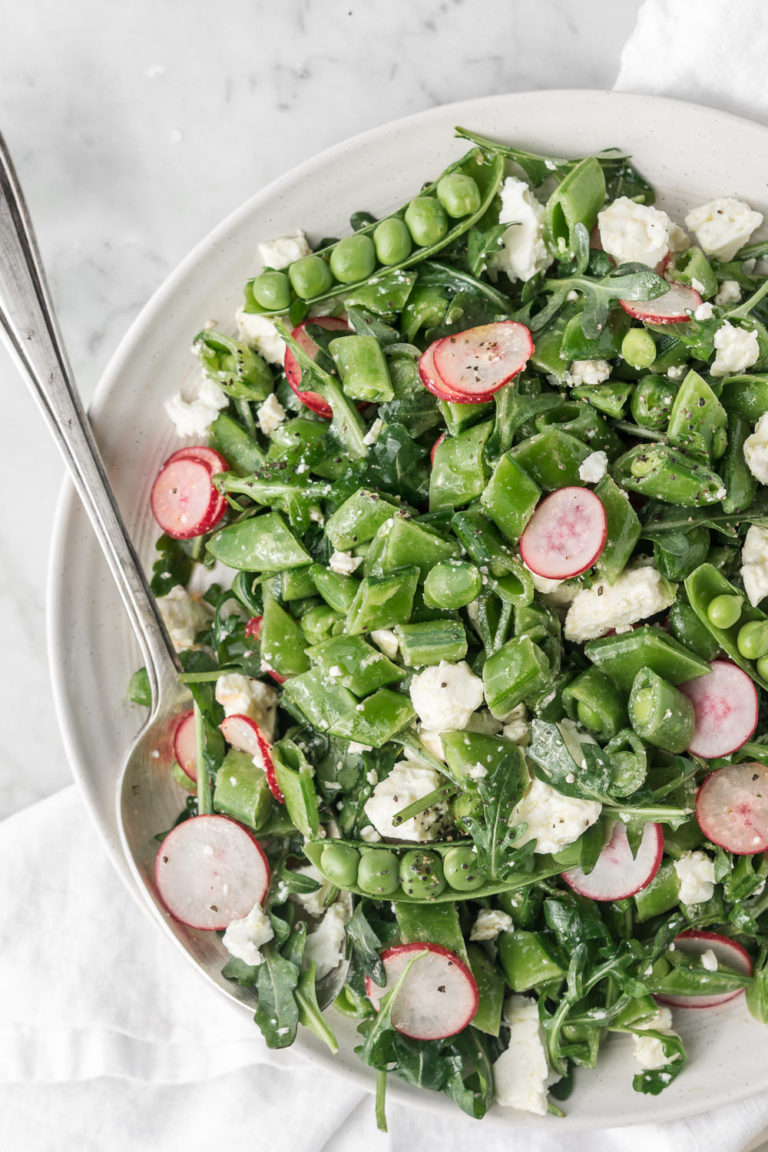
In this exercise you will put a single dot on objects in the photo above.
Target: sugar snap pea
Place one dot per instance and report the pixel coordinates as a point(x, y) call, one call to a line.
point(703, 587)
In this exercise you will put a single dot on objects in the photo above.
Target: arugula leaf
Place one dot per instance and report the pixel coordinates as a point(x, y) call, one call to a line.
point(277, 1014)
point(481, 245)
point(173, 565)
point(138, 690)
point(495, 839)
point(366, 946)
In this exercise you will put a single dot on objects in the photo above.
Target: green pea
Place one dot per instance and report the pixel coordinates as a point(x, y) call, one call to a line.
point(652, 401)
point(589, 717)
point(310, 276)
point(724, 611)
point(461, 871)
point(317, 623)
point(353, 259)
point(421, 874)
point(719, 443)
point(638, 348)
point(762, 667)
point(272, 290)
point(377, 873)
point(392, 241)
point(450, 585)
point(752, 640)
point(339, 862)
point(426, 220)
point(458, 194)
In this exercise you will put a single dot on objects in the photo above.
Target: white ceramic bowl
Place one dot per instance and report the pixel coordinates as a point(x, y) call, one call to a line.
point(690, 154)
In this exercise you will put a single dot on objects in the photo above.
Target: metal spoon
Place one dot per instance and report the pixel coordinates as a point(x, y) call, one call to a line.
point(146, 804)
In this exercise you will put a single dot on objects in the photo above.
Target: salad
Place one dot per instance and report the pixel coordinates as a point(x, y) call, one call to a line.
point(464, 557)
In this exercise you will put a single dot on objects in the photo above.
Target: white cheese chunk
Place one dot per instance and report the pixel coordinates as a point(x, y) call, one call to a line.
point(183, 616)
point(193, 415)
point(637, 594)
point(729, 293)
point(523, 251)
point(594, 468)
point(634, 233)
point(374, 431)
point(445, 696)
point(521, 1073)
point(516, 727)
point(709, 961)
point(648, 1050)
point(489, 923)
point(344, 563)
point(270, 414)
point(325, 945)
point(262, 334)
point(283, 250)
point(242, 696)
point(587, 372)
point(754, 564)
point(313, 902)
point(756, 450)
point(723, 226)
point(408, 781)
point(705, 311)
point(554, 821)
point(386, 641)
point(736, 350)
point(244, 938)
point(696, 874)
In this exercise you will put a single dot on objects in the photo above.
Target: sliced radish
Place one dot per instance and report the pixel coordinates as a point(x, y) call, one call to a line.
point(728, 953)
point(184, 501)
point(313, 400)
point(431, 379)
point(276, 676)
point(732, 808)
point(435, 447)
point(725, 704)
point(618, 874)
point(210, 871)
point(565, 535)
point(253, 627)
point(678, 304)
point(476, 363)
point(244, 733)
point(185, 745)
point(438, 998)
point(201, 452)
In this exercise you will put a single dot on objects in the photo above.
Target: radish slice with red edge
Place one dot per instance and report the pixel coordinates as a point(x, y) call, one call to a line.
point(617, 873)
point(725, 705)
point(676, 305)
point(184, 502)
point(210, 871)
point(313, 400)
point(244, 734)
point(477, 362)
point(276, 676)
point(565, 535)
point(430, 378)
point(435, 447)
point(438, 997)
point(185, 745)
point(732, 808)
point(729, 954)
point(208, 456)
point(253, 627)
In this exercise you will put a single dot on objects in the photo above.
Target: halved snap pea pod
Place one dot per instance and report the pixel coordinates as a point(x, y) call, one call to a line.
point(706, 586)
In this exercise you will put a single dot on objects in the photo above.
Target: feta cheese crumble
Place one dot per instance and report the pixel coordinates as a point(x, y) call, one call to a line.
point(637, 594)
point(325, 945)
point(241, 696)
point(554, 821)
point(704, 311)
point(737, 349)
point(521, 1073)
point(313, 902)
point(696, 875)
point(516, 727)
point(445, 696)
point(244, 938)
point(193, 415)
point(523, 251)
point(270, 414)
point(374, 431)
point(344, 563)
point(729, 293)
point(634, 233)
point(756, 450)
point(489, 924)
point(723, 226)
point(283, 250)
point(649, 1052)
point(408, 781)
point(386, 641)
point(260, 332)
point(709, 961)
point(587, 372)
point(754, 564)
point(183, 616)
point(594, 468)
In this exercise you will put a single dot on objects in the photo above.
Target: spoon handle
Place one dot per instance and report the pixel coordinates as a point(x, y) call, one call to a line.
point(28, 325)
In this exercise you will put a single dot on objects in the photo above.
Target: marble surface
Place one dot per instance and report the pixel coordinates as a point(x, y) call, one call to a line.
point(132, 137)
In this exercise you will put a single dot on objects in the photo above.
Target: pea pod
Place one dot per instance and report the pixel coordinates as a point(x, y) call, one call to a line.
point(622, 529)
point(691, 267)
point(697, 419)
point(487, 173)
point(380, 864)
point(610, 398)
point(666, 474)
point(510, 497)
point(687, 627)
point(746, 394)
point(597, 702)
point(459, 470)
point(624, 655)
point(234, 365)
point(238, 448)
point(660, 714)
point(705, 585)
point(739, 482)
point(577, 200)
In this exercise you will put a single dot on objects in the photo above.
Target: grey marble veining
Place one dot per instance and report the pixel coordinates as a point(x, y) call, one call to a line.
point(135, 131)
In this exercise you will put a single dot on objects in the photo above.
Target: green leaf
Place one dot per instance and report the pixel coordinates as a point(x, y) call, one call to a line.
point(138, 690)
point(277, 1014)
